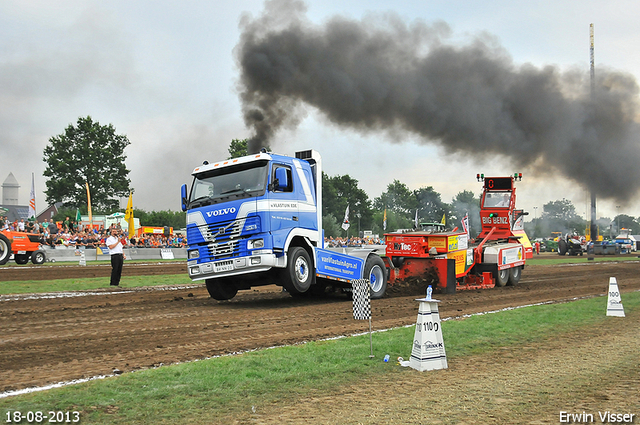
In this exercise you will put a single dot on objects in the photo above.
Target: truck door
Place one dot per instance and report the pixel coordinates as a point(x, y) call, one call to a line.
point(283, 203)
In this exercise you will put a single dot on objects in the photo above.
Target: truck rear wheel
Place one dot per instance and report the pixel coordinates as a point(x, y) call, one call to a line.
point(5, 249)
point(501, 277)
point(221, 289)
point(376, 272)
point(515, 273)
point(38, 257)
point(298, 275)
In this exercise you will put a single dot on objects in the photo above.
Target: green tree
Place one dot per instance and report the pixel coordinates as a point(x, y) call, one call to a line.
point(624, 221)
point(340, 191)
point(430, 205)
point(331, 227)
point(398, 198)
point(238, 148)
point(395, 221)
point(87, 153)
point(175, 219)
point(560, 210)
point(463, 203)
point(557, 216)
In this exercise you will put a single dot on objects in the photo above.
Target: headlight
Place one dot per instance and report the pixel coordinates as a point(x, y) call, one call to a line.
point(256, 244)
point(194, 254)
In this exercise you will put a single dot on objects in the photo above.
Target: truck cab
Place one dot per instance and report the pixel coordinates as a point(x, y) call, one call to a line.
point(257, 220)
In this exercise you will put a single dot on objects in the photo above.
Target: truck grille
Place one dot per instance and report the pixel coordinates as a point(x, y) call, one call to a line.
point(231, 229)
point(218, 251)
point(225, 239)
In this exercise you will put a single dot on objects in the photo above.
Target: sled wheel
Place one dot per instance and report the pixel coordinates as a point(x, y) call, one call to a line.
point(515, 273)
point(376, 272)
point(501, 277)
point(297, 276)
point(221, 289)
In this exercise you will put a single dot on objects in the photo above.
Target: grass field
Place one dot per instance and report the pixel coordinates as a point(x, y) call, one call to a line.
point(84, 284)
point(210, 390)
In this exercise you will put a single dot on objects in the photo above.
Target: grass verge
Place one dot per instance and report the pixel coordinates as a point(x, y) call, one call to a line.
point(208, 391)
point(556, 259)
point(84, 284)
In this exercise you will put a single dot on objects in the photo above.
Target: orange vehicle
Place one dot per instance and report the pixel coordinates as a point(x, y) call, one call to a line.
point(452, 260)
point(23, 246)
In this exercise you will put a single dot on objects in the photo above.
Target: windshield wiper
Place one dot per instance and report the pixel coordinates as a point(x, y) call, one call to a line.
point(226, 192)
point(200, 201)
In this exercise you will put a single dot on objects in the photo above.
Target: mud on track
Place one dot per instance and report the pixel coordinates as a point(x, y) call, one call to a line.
point(49, 340)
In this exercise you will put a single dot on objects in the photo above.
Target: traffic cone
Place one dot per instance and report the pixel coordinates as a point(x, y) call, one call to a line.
point(614, 302)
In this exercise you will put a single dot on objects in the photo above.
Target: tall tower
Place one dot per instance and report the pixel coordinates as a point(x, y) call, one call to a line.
point(593, 227)
point(10, 190)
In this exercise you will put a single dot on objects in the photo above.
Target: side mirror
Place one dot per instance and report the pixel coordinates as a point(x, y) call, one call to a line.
point(281, 181)
point(183, 195)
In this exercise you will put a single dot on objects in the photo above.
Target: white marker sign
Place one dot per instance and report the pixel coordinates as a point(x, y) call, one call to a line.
point(428, 346)
point(614, 302)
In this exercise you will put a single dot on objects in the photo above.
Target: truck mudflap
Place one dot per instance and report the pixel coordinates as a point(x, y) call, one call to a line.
point(337, 266)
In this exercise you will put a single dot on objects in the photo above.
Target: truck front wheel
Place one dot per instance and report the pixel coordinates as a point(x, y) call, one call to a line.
point(221, 289)
point(5, 249)
point(298, 275)
point(376, 272)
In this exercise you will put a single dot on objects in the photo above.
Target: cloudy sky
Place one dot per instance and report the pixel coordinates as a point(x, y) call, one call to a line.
point(167, 74)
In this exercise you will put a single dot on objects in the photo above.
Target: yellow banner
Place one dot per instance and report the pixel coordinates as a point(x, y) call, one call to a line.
point(128, 215)
point(89, 205)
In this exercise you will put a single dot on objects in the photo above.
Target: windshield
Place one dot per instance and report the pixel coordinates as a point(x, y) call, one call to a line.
point(244, 180)
point(497, 199)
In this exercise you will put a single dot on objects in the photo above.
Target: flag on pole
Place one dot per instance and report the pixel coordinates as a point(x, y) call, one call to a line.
point(78, 216)
point(128, 215)
point(345, 222)
point(443, 219)
point(89, 204)
point(465, 224)
point(361, 291)
point(384, 220)
point(415, 221)
point(32, 199)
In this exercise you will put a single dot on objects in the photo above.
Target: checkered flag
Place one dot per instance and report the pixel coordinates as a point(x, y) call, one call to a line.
point(361, 299)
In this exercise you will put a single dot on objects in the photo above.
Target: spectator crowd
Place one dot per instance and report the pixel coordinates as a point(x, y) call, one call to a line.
point(351, 242)
point(69, 234)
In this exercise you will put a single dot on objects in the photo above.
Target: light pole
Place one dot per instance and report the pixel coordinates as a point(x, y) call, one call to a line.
point(535, 213)
point(618, 208)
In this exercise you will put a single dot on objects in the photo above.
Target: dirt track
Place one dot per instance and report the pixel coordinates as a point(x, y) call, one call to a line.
point(47, 340)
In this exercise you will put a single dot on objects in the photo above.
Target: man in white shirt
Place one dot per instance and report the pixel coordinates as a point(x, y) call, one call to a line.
point(117, 256)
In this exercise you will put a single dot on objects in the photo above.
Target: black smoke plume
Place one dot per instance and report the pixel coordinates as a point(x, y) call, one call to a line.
point(383, 74)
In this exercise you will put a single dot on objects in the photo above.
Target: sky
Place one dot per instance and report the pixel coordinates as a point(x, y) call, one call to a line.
point(167, 75)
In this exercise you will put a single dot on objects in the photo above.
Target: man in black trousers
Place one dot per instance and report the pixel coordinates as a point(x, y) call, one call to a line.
point(117, 256)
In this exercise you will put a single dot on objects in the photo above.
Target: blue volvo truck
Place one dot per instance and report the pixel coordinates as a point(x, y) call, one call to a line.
point(257, 220)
